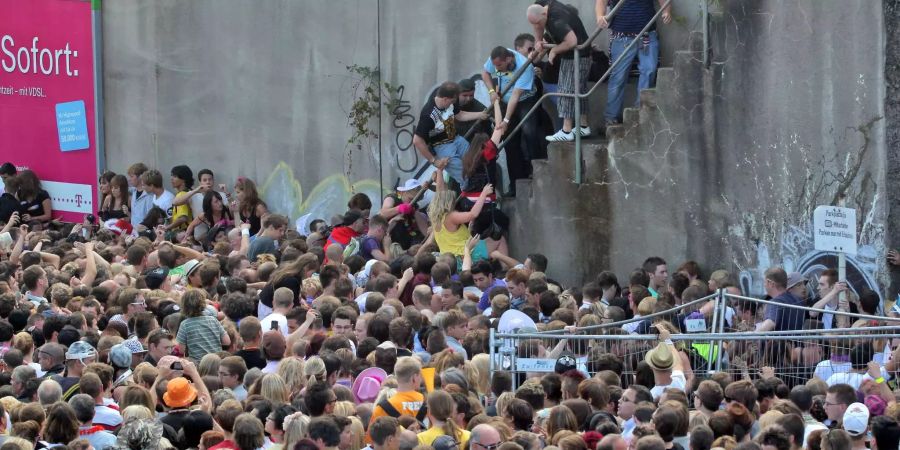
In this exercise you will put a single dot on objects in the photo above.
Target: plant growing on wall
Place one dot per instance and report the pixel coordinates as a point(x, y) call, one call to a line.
point(367, 92)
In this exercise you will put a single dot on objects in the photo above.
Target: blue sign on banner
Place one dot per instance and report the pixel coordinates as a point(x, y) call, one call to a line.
point(71, 122)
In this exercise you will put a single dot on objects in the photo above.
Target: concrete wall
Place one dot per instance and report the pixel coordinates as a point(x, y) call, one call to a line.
point(261, 89)
point(725, 165)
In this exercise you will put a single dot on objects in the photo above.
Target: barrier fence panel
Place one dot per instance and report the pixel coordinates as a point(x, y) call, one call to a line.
point(717, 333)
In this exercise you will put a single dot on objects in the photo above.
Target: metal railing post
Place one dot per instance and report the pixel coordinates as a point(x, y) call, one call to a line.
point(576, 122)
point(723, 298)
point(493, 349)
point(704, 8)
point(712, 328)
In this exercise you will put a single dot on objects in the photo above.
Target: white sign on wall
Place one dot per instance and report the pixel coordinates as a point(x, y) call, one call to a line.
point(834, 229)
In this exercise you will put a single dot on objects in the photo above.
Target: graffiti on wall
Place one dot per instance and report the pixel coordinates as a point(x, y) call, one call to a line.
point(799, 255)
point(284, 194)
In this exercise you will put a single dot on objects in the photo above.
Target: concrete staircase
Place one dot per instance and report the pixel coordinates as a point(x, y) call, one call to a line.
point(631, 182)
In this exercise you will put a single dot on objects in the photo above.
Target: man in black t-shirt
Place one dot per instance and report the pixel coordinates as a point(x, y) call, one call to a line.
point(468, 103)
point(436, 136)
point(564, 29)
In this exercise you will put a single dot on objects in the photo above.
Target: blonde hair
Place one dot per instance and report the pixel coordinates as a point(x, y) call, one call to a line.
point(24, 342)
point(345, 409)
point(441, 205)
point(295, 428)
point(503, 401)
point(273, 389)
point(314, 370)
point(482, 363)
point(406, 367)
point(18, 443)
point(357, 433)
point(136, 412)
point(291, 371)
point(646, 306)
point(209, 365)
point(769, 418)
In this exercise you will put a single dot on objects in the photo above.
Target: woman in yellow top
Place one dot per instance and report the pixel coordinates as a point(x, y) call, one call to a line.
point(441, 409)
point(451, 227)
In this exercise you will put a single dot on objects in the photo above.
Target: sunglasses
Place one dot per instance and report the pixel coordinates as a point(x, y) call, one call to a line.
point(488, 447)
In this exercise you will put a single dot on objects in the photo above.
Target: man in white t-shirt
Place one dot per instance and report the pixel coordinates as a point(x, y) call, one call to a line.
point(153, 183)
point(282, 301)
point(668, 371)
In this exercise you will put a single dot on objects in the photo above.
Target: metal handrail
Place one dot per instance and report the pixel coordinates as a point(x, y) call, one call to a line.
point(576, 96)
point(536, 56)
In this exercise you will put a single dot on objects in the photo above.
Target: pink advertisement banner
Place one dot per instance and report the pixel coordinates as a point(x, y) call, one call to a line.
point(47, 102)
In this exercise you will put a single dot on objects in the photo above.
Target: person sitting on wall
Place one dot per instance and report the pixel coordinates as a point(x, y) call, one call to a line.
point(34, 202)
point(436, 136)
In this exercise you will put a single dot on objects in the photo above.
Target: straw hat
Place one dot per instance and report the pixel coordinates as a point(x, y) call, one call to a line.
point(660, 358)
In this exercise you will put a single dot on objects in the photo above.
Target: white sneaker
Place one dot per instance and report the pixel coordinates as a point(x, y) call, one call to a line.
point(585, 131)
point(561, 136)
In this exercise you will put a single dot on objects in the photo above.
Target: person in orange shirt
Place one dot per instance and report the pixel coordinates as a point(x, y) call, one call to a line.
point(408, 400)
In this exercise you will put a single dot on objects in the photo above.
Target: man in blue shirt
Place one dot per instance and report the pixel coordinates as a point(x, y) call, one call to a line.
point(780, 318)
point(497, 74)
point(483, 276)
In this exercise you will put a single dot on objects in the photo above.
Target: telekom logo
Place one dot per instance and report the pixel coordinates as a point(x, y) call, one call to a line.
point(78, 200)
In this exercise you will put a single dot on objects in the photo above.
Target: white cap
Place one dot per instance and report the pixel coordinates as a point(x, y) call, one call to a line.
point(856, 419)
point(409, 185)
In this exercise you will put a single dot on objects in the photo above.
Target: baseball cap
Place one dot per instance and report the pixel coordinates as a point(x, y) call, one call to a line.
point(120, 356)
point(795, 278)
point(445, 443)
point(565, 363)
point(856, 419)
point(134, 345)
point(156, 277)
point(80, 350)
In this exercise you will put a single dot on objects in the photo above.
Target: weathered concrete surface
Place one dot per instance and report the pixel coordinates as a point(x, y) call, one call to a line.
point(891, 16)
point(725, 165)
point(261, 89)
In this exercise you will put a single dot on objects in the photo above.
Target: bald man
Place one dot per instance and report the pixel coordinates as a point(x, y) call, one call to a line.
point(484, 437)
point(612, 442)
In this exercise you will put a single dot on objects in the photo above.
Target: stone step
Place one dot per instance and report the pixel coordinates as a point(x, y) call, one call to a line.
point(561, 161)
point(665, 78)
point(648, 98)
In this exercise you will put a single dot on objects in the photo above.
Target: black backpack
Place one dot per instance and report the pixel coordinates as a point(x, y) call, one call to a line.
point(389, 408)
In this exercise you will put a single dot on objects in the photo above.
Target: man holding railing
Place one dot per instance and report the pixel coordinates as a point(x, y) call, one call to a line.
point(564, 29)
point(497, 75)
point(627, 25)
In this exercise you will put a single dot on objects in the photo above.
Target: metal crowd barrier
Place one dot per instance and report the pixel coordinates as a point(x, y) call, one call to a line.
point(728, 344)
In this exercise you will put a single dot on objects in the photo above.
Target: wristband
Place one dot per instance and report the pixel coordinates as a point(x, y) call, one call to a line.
point(491, 91)
point(505, 120)
point(879, 380)
point(245, 232)
point(669, 342)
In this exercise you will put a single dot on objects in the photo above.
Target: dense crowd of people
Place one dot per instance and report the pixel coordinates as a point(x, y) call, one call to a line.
point(199, 319)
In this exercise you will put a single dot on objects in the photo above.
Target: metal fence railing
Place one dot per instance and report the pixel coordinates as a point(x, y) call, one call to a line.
point(724, 341)
point(577, 96)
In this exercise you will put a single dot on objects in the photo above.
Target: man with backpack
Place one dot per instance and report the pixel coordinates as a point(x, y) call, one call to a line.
point(408, 401)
